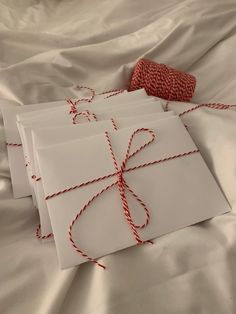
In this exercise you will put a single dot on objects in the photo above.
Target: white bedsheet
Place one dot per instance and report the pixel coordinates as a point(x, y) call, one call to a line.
point(46, 47)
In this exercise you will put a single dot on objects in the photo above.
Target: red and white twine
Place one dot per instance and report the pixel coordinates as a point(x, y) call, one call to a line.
point(13, 144)
point(73, 104)
point(217, 106)
point(40, 236)
point(87, 114)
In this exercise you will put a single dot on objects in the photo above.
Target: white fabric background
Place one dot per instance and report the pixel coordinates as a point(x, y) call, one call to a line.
point(46, 47)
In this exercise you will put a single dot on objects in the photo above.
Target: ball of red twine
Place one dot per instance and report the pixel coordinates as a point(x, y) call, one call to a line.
point(162, 81)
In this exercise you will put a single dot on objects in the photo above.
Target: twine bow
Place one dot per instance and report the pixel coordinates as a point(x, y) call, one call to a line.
point(122, 187)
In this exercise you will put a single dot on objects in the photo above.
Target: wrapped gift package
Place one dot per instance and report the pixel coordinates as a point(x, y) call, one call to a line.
point(110, 191)
point(107, 173)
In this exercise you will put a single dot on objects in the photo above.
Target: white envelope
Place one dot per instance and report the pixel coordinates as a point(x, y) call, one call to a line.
point(25, 128)
point(43, 137)
point(178, 192)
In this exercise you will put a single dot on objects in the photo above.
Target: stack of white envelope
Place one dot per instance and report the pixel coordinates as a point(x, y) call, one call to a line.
point(117, 172)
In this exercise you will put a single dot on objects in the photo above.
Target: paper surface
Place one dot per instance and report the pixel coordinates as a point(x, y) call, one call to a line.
point(103, 229)
point(50, 136)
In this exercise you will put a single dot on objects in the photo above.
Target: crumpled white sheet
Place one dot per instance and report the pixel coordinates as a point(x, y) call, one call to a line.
point(46, 48)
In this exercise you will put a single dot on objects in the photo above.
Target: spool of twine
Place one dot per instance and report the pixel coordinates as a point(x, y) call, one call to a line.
point(162, 81)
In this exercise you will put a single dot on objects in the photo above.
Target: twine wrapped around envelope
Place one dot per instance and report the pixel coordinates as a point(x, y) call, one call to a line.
point(73, 104)
point(89, 115)
point(123, 188)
